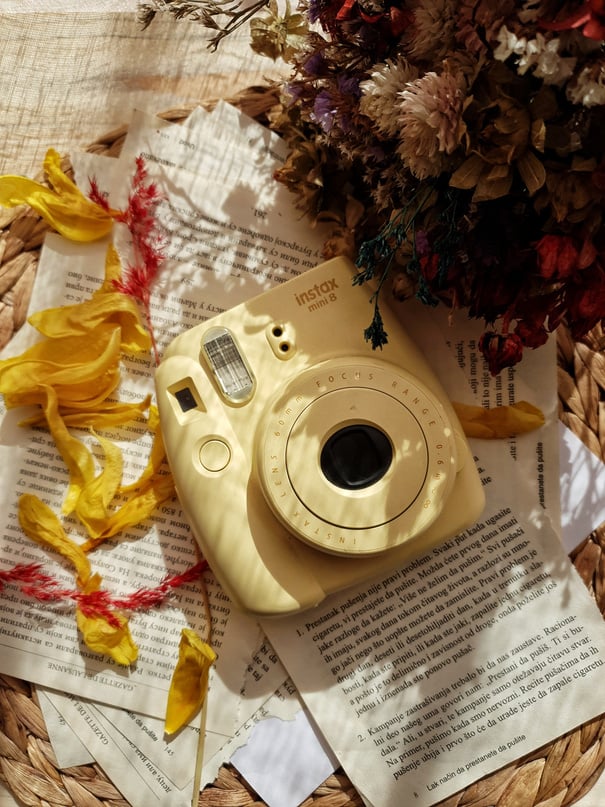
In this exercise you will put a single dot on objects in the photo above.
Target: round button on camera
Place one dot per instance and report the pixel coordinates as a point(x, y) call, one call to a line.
point(215, 455)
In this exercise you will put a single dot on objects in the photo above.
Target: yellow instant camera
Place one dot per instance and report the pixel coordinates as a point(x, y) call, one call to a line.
point(306, 461)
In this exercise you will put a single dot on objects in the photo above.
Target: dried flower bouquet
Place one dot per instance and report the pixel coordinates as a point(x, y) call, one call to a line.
point(456, 144)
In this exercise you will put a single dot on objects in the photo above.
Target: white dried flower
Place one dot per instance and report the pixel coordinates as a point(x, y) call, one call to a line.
point(380, 94)
point(550, 66)
point(540, 55)
point(508, 44)
point(589, 87)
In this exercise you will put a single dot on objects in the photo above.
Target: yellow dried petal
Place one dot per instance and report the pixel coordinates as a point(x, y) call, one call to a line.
point(138, 508)
point(157, 454)
point(76, 455)
point(100, 636)
point(499, 422)
point(41, 525)
point(105, 415)
point(92, 506)
point(63, 206)
point(105, 306)
point(113, 269)
point(79, 368)
point(110, 307)
point(189, 683)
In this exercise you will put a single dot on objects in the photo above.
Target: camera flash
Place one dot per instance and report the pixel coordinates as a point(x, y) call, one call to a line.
point(228, 365)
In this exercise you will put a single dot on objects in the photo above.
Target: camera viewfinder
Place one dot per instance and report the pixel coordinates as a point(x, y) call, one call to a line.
point(186, 399)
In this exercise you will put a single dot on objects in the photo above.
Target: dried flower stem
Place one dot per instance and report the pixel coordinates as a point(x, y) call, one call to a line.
point(207, 12)
point(376, 256)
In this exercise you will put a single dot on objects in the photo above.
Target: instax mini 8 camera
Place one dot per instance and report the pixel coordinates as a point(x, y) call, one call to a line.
point(306, 461)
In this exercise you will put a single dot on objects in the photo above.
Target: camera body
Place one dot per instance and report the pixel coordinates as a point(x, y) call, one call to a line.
point(304, 460)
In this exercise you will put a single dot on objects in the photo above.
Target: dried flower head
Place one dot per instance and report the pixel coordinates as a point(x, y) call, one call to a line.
point(432, 125)
point(380, 94)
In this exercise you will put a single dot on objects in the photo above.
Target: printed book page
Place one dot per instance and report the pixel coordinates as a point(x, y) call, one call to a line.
point(148, 770)
point(466, 658)
point(198, 145)
point(224, 248)
point(533, 380)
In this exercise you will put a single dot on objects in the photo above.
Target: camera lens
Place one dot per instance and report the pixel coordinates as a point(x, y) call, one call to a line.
point(356, 457)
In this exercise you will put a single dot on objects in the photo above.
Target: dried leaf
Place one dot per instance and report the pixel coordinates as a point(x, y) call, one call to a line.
point(538, 134)
point(189, 683)
point(532, 172)
point(468, 174)
point(499, 422)
point(488, 189)
point(63, 206)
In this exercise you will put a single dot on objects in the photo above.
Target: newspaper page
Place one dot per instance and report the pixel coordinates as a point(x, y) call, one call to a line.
point(150, 771)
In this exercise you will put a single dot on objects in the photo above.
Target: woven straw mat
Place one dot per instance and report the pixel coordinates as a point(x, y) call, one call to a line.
point(553, 776)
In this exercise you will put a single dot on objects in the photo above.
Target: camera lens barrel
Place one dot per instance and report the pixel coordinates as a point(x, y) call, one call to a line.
point(355, 456)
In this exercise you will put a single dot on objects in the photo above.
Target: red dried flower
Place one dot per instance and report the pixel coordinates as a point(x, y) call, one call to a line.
point(557, 256)
point(147, 242)
point(590, 17)
point(500, 350)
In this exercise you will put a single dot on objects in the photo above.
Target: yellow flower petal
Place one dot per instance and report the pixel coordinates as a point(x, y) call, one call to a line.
point(189, 683)
point(79, 368)
point(63, 206)
point(76, 455)
point(113, 269)
point(157, 454)
point(105, 415)
point(92, 506)
point(41, 525)
point(499, 422)
point(100, 636)
point(105, 306)
point(138, 508)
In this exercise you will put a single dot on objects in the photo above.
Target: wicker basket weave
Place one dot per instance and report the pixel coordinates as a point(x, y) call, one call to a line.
point(555, 775)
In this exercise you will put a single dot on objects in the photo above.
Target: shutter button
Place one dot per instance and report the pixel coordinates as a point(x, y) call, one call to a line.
point(215, 455)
